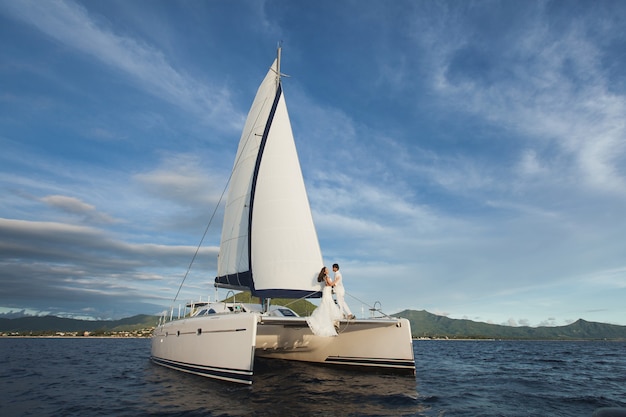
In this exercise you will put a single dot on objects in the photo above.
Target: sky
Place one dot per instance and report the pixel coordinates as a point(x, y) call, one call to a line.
point(464, 158)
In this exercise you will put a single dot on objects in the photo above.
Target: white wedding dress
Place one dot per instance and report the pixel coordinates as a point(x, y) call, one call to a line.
point(322, 320)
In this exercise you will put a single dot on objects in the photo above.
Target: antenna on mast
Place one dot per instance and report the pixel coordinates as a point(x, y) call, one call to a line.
point(278, 51)
point(277, 71)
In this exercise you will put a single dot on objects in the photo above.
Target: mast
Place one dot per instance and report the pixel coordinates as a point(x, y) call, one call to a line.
point(278, 65)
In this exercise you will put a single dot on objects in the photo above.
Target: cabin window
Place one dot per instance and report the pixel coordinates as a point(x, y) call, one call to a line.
point(286, 312)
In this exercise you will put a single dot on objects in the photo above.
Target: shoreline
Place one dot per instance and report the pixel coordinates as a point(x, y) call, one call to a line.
point(71, 337)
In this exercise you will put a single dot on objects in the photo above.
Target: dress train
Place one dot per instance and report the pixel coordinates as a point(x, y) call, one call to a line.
point(322, 320)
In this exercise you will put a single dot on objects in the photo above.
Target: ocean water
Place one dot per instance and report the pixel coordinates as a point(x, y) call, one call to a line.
point(114, 377)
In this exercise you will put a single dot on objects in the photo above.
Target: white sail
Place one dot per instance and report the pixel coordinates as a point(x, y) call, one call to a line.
point(272, 250)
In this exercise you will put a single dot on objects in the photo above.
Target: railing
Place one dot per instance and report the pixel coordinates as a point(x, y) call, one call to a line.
point(168, 315)
point(374, 310)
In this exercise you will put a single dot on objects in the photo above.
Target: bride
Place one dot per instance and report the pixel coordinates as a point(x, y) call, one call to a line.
point(322, 320)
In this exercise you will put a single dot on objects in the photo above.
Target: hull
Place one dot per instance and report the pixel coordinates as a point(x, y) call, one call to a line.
point(223, 346)
point(382, 344)
point(216, 346)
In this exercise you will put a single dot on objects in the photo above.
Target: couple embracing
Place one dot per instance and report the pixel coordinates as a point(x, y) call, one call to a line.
point(322, 321)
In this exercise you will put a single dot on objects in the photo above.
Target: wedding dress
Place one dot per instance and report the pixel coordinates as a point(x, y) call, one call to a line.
point(322, 320)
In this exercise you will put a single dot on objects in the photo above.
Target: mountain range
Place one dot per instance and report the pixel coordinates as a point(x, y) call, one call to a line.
point(423, 324)
point(46, 324)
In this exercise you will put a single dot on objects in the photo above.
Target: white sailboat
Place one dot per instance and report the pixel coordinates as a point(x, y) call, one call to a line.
point(269, 247)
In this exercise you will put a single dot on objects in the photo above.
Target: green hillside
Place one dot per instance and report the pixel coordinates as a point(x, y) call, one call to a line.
point(60, 324)
point(425, 324)
point(302, 307)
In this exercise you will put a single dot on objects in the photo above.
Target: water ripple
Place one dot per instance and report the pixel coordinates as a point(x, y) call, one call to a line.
point(113, 377)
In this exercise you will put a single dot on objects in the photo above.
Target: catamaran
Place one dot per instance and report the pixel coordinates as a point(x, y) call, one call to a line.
point(269, 246)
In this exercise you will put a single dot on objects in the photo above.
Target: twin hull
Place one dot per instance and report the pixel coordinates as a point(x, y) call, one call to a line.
point(223, 346)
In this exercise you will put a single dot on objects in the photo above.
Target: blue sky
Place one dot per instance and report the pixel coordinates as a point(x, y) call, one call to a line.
point(466, 158)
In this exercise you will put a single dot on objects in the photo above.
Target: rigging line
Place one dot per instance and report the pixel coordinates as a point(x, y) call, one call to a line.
point(299, 299)
point(202, 240)
point(214, 212)
point(219, 202)
point(368, 306)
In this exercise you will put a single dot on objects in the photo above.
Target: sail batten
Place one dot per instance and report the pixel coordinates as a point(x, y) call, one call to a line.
point(269, 244)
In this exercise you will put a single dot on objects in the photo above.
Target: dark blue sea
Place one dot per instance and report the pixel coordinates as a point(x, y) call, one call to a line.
point(114, 377)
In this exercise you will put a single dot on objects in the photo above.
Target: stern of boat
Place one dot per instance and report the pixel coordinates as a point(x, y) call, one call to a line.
point(383, 344)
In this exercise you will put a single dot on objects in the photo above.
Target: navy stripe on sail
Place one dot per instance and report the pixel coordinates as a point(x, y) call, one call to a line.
point(241, 280)
point(257, 166)
point(283, 293)
point(244, 280)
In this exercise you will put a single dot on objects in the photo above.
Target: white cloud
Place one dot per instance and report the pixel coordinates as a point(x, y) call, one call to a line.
point(182, 179)
point(71, 24)
point(75, 206)
point(530, 165)
point(555, 91)
point(78, 265)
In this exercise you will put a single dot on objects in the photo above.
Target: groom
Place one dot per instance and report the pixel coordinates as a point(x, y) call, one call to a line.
point(341, 292)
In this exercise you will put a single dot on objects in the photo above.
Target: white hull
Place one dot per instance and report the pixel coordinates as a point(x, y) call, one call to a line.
point(375, 343)
point(217, 346)
point(225, 346)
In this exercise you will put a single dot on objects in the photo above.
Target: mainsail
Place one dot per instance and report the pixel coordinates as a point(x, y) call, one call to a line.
point(269, 244)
